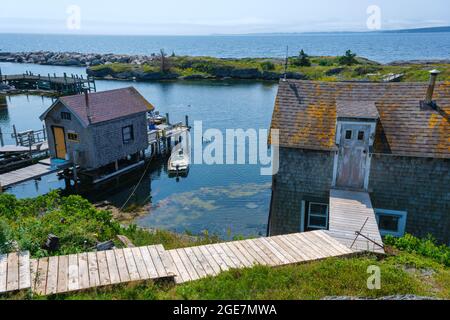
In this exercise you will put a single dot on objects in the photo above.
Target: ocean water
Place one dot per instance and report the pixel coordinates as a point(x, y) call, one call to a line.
point(382, 47)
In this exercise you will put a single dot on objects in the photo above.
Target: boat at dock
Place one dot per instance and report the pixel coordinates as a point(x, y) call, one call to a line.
point(178, 163)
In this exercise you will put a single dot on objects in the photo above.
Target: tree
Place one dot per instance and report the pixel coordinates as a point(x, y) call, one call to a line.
point(348, 59)
point(163, 60)
point(302, 60)
point(267, 66)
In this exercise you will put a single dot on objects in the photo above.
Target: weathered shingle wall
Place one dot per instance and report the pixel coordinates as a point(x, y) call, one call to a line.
point(303, 175)
point(108, 142)
point(420, 186)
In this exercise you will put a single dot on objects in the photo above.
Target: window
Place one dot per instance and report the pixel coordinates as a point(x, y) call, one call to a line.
point(127, 134)
point(66, 116)
point(73, 137)
point(317, 216)
point(391, 222)
point(360, 135)
point(348, 134)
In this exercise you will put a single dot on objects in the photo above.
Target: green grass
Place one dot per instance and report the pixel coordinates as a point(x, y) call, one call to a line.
point(312, 281)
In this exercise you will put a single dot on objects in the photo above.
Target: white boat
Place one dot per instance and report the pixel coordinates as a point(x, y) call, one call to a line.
point(178, 162)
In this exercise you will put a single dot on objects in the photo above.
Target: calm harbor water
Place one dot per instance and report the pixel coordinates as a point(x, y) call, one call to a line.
point(382, 47)
point(223, 199)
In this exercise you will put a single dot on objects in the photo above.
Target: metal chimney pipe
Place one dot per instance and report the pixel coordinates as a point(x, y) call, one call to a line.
point(433, 76)
point(88, 110)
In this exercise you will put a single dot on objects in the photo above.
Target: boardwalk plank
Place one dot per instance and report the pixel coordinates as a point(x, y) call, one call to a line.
point(151, 269)
point(321, 252)
point(242, 253)
point(12, 283)
point(74, 278)
point(140, 264)
point(63, 274)
point(269, 254)
point(103, 270)
point(182, 273)
point(225, 258)
point(275, 251)
point(122, 265)
point(52, 276)
point(94, 277)
point(41, 278)
point(203, 261)
point(24, 270)
point(255, 254)
point(114, 275)
point(162, 272)
point(188, 264)
point(131, 264)
point(220, 262)
point(83, 271)
point(237, 263)
point(302, 247)
point(166, 261)
point(33, 273)
point(209, 257)
point(195, 262)
point(338, 248)
point(3, 272)
point(266, 258)
point(289, 248)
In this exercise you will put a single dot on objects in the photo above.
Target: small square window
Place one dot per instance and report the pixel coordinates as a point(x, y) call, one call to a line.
point(73, 137)
point(361, 135)
point(127, 134)
point(391, 222)
point(66, 116)
point(317, 216)
point(348, 134)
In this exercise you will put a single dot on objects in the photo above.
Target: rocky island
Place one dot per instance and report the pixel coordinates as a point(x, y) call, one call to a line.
point(160, 66)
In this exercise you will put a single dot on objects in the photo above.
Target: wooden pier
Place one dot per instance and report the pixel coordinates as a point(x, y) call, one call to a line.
point(62, 85)
point(61, 274)
point(352, 213)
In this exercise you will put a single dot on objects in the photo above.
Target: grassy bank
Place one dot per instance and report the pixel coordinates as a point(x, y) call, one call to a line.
point(413, 266)
point(299, 67)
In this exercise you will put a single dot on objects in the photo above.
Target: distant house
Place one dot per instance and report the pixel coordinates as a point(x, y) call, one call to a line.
point(388, 140)
point(98, 129)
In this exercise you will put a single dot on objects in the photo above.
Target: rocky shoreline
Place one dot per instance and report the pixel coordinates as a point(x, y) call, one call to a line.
point(111, 66)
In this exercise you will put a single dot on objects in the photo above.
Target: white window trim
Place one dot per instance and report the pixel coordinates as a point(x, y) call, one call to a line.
point(401, 222)
point(317, 215)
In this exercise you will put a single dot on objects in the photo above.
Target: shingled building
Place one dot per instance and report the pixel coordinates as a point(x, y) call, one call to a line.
point(93, 130)
point(388, 140)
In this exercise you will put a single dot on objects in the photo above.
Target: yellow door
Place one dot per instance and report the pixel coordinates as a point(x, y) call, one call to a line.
point(60, 142)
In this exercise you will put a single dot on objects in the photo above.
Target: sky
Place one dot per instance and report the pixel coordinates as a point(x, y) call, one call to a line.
point(204, 17)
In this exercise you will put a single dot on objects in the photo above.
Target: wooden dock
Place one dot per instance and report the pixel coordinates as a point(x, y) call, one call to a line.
point(33, 172)
point(60, 274)
point(349, 212)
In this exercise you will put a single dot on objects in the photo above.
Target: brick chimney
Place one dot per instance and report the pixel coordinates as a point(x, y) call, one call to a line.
point(433, 76)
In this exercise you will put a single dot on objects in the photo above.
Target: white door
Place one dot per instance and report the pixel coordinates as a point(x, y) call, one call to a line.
point(353, 153)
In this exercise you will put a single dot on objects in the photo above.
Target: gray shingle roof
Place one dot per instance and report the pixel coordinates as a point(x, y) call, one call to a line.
point(106, 105)
point(306, 112)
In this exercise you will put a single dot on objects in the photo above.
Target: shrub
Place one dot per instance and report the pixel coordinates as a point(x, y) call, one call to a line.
point(426, 247)
point(302, 60)
point(267, 66)
point(348, 59)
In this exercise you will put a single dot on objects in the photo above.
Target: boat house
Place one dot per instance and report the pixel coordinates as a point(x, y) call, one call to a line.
point(351, 148)
point(102, 129)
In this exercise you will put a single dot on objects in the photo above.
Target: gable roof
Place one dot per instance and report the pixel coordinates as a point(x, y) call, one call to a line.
point(306, 113)
point(104, 105)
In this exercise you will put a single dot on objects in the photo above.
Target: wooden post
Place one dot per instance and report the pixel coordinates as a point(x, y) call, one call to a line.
point(116, 165)
point(75, 173)
point(187, 120)
point(15, 134)
point(30, 145)
point(44, 130)
point(2, 143)
point(167, 118)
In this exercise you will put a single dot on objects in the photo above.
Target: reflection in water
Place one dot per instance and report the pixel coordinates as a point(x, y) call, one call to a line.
point(223, 199)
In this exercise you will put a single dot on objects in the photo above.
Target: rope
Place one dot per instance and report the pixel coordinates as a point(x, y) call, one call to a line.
point(137, 185)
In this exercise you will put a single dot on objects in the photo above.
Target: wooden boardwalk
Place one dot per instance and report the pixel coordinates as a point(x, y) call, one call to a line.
point(60, 274)
point(32, 172)
point(348, 212)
